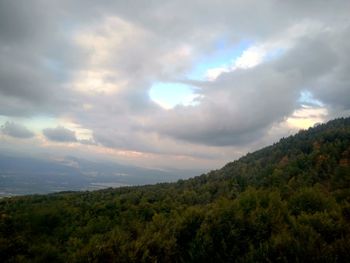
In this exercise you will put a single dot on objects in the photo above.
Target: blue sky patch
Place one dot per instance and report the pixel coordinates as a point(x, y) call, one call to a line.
point(170, 94)
point(223, 56)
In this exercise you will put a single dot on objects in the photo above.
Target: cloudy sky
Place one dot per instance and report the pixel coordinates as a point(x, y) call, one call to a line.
point(180, 84)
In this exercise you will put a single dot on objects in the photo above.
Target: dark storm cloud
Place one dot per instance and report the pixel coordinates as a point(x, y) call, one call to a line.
point(23, 21)
point(33, 58)
point(20, 77)
point(60, 134)
point(334, 86)
point(311, 58)
point(16, 130)
point(237, 108)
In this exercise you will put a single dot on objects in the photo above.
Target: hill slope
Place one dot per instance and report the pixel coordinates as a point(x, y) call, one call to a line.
point(289, 202)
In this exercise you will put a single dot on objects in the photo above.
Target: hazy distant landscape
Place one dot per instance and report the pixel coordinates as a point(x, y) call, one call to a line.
point(25, 175)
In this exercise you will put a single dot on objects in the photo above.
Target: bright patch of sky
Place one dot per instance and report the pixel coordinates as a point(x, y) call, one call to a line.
point(307, 98)
point(311, 112)
point(224, 58)
point(37, 124)
point(228, 58)
point(224, 55)
point(3, 119)
point(170, 94)
point(307, 116)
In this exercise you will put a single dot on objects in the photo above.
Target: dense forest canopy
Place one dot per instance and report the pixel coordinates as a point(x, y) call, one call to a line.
point(289, 202)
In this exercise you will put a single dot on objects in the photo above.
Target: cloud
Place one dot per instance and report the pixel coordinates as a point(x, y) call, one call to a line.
point(235, 109)
point(334, 86)
point(88, 142)
point(60, 134)
point(95, 68)
point(238, 107)
point(16, 130)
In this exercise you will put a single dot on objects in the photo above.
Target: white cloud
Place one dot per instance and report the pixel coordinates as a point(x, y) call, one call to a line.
point(213, 73)
point(250, 58)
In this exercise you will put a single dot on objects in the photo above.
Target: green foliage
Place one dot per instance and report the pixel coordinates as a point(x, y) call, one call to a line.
point(289, 202)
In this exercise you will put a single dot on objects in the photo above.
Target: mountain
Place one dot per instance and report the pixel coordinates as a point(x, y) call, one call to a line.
point(289, 202)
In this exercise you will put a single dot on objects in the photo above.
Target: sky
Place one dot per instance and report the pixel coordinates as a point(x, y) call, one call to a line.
point(168, 84)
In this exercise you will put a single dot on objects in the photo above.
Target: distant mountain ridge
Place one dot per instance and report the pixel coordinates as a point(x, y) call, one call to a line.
point(20, 175)
point(289, 202)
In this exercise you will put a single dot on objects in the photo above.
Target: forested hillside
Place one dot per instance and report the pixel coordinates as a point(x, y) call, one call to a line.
point(289, 202)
